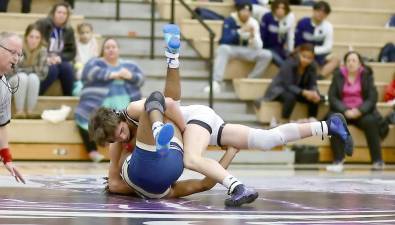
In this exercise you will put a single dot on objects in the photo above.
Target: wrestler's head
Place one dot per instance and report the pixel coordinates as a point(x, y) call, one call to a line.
point(107, 126)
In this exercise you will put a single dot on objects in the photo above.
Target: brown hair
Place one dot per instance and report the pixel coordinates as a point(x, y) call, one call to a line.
point(31, 54)
point(358, 55)
point(104, 42)
point(82, 25)
point(303, 47)
point(277, 3)
point(322, 6)
point(55, 7)
point(102, 125)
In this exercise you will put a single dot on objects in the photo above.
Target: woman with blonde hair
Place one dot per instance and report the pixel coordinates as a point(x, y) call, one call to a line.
point(33, 69)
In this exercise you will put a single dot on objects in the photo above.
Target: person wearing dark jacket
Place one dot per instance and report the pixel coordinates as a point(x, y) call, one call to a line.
point(61, 47)
point(296, 82)
point(352, 93)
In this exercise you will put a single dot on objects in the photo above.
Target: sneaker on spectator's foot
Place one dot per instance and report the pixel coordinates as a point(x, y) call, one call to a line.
point(163, 137)
point(216, 88)
point(337, 126)
point(95, 156)
point(171, 33)
point(378, 165)
point(336, 167)
point(241, 195)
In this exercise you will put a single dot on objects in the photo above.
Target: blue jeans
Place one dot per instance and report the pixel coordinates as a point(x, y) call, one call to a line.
point(278, 57)
point(62, 71)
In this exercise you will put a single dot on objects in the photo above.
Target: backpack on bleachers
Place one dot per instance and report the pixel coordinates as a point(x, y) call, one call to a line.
point(391, 22)
point(207, 14)
point(387, 53)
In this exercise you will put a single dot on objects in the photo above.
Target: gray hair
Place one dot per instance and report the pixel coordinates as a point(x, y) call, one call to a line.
point(6, 35)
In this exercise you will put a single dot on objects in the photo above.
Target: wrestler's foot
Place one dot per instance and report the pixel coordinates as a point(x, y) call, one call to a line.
point(337, 126)
point(164, 135)
point(241, 195)
point(171, 33)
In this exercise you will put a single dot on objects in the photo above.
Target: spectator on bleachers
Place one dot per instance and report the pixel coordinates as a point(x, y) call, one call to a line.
point(26, 5)
point(110, 82)
point(319, 32)
point(389, 95)
point(240, 39)
point(29, 73)
point(296, 82)
point(59, 36)
point(391, 22)
point(86, 49)
point(259, 8)
point(277, 31)
point(353, 93)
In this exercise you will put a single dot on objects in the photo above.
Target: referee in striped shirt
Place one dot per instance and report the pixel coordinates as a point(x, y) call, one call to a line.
point(10, 55)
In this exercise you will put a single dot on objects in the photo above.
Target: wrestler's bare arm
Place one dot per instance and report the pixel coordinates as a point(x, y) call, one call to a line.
point(192, 186)
point(173, 112)
point(115, 182)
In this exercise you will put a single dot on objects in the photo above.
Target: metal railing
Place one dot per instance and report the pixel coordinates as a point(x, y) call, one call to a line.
point(196, 16)
point(211, 36)
point(117, 9)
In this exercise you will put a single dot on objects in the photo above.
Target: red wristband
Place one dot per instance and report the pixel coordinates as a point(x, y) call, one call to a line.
point(5, 155)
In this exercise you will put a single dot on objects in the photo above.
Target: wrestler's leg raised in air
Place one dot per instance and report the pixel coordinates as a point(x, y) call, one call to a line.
point(172, 39)
point(197, 135)
point(160, 133)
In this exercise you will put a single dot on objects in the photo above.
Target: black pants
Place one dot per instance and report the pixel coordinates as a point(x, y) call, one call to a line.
point(368, 124)
point(26, 5)
point(89, 145)
point(289, 100)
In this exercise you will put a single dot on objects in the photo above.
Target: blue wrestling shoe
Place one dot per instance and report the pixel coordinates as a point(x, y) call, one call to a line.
point(171, 34)
point(164, 136)
point(337, 126)
point(241, 195)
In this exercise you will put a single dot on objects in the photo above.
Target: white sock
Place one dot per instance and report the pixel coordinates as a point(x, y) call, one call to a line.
point(156, 126)
point(172, 60)
point(319, 129)
point(230, 182)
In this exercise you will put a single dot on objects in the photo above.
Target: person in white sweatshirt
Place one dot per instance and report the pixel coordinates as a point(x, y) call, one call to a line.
point(240, 39)
point(86, 50)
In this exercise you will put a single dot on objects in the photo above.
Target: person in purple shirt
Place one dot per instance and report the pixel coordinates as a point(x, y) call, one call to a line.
point(277, 31)
point(318, 31)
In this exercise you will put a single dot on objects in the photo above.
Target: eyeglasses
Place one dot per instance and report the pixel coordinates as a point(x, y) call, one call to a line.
point(13, 52)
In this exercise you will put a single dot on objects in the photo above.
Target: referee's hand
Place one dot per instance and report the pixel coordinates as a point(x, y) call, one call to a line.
point(14, 172)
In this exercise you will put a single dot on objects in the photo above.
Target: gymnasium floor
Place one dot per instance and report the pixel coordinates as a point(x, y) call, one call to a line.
point(71, 193)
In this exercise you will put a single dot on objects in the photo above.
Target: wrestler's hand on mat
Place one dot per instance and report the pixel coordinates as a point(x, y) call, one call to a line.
point(14, 172)
point(107, 187)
